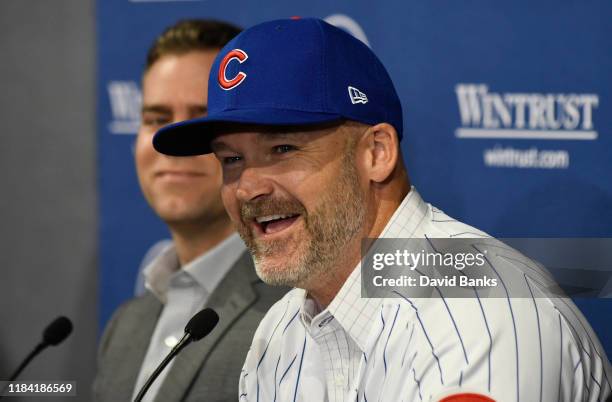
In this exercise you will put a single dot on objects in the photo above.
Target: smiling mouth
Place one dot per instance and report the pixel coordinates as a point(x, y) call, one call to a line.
point(270, 224)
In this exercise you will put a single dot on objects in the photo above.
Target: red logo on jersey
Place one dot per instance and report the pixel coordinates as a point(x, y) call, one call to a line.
point(225, 82)
point(467, 397)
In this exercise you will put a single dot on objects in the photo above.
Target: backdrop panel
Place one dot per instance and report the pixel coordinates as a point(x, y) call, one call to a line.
point(506, 107)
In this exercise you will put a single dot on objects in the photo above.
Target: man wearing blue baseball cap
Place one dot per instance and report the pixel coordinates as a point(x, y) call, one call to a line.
point(307, 125)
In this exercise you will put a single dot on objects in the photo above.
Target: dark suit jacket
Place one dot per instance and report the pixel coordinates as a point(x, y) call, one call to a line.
point(207, 370)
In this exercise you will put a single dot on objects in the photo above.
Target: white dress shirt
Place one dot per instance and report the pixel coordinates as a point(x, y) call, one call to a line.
point(424, 349)
point(183, 292)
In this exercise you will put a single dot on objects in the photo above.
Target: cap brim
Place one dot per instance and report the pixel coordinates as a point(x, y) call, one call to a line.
point(193, 137)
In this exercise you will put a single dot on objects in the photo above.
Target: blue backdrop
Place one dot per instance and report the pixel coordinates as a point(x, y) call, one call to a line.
point(507, 116)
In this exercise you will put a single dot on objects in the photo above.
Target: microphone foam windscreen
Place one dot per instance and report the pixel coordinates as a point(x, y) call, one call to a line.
point(202, 323)
point(57, 331)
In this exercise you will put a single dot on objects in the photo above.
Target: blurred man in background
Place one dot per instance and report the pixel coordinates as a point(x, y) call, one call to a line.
point(207, 263)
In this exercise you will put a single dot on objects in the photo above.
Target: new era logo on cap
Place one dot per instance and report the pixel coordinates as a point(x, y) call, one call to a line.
point(357, 96)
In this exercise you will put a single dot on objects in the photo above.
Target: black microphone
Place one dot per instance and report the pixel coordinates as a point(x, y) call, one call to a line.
point(53, 335)
point(197, 328)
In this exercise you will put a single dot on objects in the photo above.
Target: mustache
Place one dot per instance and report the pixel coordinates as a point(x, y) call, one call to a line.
point(270, 206)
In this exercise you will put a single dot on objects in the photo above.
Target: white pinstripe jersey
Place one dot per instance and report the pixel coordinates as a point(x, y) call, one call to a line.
point(402, 349)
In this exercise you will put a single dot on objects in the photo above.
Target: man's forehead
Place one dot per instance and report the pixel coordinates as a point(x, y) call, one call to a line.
point(223, 139)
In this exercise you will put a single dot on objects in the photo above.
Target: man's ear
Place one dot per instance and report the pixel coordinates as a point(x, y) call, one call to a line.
point(382, 151)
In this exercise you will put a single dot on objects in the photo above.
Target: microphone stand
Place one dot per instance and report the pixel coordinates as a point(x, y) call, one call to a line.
point(39, 348)
point(185, 340)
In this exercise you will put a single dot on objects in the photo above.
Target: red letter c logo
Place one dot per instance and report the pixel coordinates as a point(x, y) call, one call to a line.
point(224, 82)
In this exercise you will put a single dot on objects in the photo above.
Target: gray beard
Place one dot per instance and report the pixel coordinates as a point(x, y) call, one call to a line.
point(339, 217)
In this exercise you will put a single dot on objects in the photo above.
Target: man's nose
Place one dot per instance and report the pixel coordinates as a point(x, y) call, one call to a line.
point(253, 183)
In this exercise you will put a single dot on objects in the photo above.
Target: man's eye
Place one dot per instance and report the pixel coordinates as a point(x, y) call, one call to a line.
point(228, 160)
point(155, 121)
point(281, 149)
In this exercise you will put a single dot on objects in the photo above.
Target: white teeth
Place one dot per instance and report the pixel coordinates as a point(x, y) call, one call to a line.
point(268, 218)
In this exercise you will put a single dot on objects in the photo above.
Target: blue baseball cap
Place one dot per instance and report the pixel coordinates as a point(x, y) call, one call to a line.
point(293, 72)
